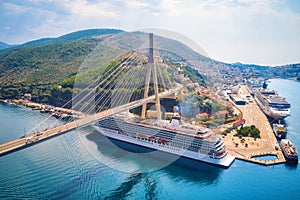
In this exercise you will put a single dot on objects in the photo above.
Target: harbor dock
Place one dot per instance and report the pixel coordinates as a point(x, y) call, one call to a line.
point(267, 145)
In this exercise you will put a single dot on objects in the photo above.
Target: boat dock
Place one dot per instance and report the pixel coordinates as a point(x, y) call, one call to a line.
point(58, 112)
point(267, 145)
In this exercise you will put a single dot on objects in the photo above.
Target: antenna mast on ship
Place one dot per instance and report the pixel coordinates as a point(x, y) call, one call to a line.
point(150, 68)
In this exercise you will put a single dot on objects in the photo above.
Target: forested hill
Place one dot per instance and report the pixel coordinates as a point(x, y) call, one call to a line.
point(39, 66)
point(42, 66)
point(73, 36)
point(48, 60)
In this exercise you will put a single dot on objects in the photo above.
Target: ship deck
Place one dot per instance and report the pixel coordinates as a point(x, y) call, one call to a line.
point(147, 123)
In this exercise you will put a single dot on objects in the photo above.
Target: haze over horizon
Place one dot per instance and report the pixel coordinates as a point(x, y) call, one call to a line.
point(246, 31)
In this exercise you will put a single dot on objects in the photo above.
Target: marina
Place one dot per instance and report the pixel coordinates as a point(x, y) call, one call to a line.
point(58, 112)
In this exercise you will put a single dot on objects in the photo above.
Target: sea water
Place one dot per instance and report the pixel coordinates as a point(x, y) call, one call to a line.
point(66, 168)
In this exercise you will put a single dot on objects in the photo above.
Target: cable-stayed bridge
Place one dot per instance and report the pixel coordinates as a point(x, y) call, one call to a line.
point(120, 77)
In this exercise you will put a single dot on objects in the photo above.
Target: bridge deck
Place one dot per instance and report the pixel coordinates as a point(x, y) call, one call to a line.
point(34, 138)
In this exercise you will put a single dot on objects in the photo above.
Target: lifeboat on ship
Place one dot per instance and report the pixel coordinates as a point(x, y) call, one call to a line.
point(141, 136)
point(152, 139)
point(163, 141)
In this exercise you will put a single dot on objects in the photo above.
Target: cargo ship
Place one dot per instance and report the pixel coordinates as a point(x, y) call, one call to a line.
point(279, 131)
point(189, 141)
point(272, 104)
point(289, 150)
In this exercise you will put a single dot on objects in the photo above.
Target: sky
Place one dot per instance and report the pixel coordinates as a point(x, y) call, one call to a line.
point(265, 32)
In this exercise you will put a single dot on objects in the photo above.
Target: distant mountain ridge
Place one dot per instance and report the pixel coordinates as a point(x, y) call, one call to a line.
point(3, 45)
point(48, 60)
point(72, 36)
point(64, 38)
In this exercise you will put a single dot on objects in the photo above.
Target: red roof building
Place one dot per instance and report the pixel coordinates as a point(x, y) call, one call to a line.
point(239, 123)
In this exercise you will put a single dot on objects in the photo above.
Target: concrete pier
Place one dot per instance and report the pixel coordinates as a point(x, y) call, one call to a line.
point(266, 145)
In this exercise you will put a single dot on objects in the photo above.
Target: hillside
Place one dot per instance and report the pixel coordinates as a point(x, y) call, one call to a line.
point(73, 36)
point(39, 67)
point(48, 61)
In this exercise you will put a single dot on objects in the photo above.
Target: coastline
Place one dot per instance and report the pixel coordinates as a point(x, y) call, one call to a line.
point(58, 112)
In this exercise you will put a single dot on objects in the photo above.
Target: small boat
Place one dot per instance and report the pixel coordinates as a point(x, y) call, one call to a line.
point(279, 130)
point(142, 136)
point(289, 150)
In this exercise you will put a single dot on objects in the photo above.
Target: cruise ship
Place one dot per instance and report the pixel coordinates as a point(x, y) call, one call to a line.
point(272, 104)
point(188, 141)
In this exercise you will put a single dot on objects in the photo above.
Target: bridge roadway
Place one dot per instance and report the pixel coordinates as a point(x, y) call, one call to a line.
point(34, 138)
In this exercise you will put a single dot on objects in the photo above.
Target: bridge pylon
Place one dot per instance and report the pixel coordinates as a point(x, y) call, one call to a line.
point(151, 68)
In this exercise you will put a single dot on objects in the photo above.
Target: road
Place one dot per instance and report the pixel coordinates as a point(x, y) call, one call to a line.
point(86, 120)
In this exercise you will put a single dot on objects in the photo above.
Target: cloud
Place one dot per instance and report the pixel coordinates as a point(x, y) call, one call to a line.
point(83, 8)
point(135, 4)
point(250, 31)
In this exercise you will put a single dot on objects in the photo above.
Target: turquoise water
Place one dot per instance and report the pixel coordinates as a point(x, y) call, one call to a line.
point(63, 168)
point(16, 121)
point(266, 158)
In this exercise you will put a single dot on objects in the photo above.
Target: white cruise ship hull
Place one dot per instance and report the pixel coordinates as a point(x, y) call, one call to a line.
point(226, 161)
point(279, 108)
point(275, 114)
